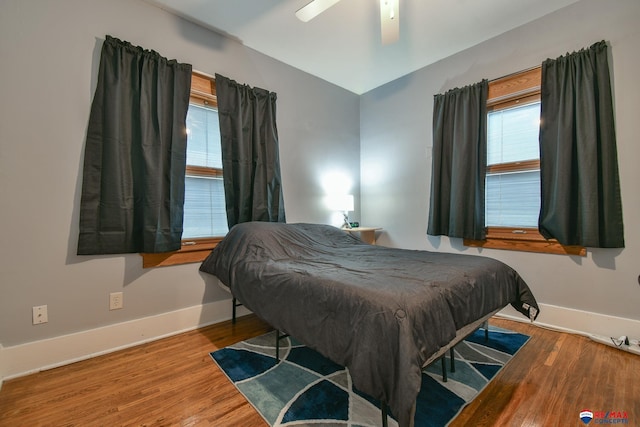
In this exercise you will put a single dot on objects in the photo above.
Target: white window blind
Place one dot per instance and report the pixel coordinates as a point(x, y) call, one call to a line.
point(204, 208)
point(513, 197)
point(203, 137)
point(204, 204)
point(512, 134)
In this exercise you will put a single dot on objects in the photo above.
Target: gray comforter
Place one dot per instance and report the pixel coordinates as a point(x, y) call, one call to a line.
point(381, 312)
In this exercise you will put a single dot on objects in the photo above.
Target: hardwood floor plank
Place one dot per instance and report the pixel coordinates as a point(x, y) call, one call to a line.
point(552, 378)
point(173, 381)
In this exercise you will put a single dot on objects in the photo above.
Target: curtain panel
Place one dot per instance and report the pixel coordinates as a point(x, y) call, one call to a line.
point(135, 153)
point(457, 203)
point(580, 189)
point(250, 153)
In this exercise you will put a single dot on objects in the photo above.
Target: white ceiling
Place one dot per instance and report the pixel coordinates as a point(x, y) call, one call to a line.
point(343, 46)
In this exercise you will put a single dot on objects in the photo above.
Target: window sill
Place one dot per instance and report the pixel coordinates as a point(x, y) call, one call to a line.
point(195, 250)
point(523, 239)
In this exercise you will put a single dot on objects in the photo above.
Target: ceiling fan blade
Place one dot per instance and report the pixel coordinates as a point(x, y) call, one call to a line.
point(313, 9)
point(389, 21)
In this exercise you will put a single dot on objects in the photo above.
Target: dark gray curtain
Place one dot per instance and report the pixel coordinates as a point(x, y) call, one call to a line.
point(459, 163)
point(580, 189)
point(250, 156)
point(135, 153)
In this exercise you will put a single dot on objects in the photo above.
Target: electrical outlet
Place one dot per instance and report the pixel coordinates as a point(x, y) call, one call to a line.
point(40, 314)
point(115, 301)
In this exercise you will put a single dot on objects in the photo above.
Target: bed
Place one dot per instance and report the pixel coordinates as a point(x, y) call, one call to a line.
point(384, 313)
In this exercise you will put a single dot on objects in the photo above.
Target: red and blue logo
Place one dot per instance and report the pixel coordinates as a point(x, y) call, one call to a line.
point(604, 417)
point(586, 416)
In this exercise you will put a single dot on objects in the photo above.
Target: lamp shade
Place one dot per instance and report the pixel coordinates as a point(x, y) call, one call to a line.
point(340, 202)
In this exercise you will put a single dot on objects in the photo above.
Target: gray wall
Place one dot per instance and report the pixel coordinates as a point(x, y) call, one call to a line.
point(50, 52)
point(396, 145)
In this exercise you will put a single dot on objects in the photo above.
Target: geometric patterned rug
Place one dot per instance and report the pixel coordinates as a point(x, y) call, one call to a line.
point(306, 389)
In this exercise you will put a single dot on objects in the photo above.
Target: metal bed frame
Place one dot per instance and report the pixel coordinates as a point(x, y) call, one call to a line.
point(461, 334)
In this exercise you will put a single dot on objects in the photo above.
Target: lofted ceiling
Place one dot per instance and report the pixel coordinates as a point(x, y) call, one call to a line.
point(343, 44)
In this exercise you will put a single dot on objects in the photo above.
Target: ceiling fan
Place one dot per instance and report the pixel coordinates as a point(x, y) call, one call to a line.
point(389, 17)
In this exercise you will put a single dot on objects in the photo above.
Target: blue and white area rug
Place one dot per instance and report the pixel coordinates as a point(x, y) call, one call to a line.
point(308, 389)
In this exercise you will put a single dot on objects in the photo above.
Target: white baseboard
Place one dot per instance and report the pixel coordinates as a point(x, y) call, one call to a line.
point(632, 347)
point(40, 355)
point(578, 322)
point(45, 354)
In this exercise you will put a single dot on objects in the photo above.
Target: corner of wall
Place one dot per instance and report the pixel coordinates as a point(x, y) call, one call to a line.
point(2, 366)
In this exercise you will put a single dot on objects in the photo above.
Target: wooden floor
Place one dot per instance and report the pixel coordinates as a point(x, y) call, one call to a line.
point(173, 382)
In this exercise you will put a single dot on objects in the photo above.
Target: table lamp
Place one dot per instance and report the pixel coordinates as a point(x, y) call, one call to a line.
point(342, 203)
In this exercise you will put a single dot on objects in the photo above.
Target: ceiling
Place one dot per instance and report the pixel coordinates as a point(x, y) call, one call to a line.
point(343, 44)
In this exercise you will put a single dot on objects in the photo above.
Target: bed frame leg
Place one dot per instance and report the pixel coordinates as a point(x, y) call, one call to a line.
point(485, 326)
point(444, 369)
point(277, 346)
point(233, 310)
point(234, 304)
point(278, 338)
point(383, 409)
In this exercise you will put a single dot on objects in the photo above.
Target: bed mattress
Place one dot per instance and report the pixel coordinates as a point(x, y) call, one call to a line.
point(381, 312)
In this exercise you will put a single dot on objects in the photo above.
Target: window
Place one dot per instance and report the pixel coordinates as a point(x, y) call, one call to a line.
point(205, 220)
point(512, 186)
point(513, 166)
point(204, 208)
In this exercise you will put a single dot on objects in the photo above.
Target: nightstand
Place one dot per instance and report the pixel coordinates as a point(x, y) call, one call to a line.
point(367, 234)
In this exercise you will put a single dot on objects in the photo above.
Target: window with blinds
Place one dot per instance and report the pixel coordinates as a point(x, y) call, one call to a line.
point(205, 219)
point(513, 167)
point(512, 185)
point(204, 204)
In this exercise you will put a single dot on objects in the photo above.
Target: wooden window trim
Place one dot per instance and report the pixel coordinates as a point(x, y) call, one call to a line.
point(514, 86)
point(204, 171)
point(203, 93)
point(525, 165)
point(523, 239)
point(203, 89)
point(193, 250)
point(518, 89)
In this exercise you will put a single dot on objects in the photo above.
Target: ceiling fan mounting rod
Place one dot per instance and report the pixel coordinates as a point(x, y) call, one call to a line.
point(389, 21)
point(389, 4)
